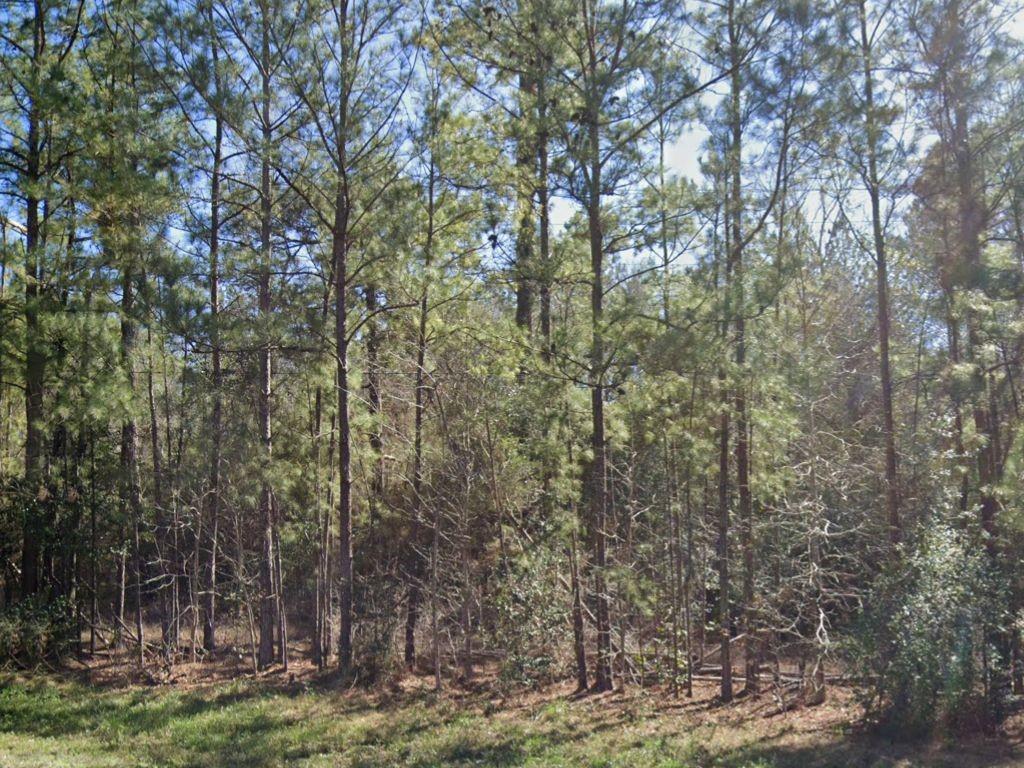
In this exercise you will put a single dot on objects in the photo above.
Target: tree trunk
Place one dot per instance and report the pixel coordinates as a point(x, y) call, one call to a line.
point(35, 356)
point(579, 648)
point(216, 418)
point(598, 491)
point(345, 574)
point(740, 341)
point(373, 398)
point(524, 267)
point(414, 559)
point(131, 495)
point(282, 616)
point(164, 563)
point(722, 546)
point(435, 629)
point(268, 600)
point(467, 607)
point(882, 282)
point(724, 615)
point(543, 203)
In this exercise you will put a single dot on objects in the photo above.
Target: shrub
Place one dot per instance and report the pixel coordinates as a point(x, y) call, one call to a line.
point(530, 609)
point(33, 630)
point(925, 641)
point(374, 652)
point(519, 670)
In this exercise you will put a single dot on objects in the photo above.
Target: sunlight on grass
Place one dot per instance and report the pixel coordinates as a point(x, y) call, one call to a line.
point(45, 722)
point(50, 723)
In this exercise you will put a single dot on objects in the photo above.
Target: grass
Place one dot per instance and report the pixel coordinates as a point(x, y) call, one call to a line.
point(47, 721)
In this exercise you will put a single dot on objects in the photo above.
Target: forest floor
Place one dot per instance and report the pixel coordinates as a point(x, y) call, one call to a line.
point(98, 715)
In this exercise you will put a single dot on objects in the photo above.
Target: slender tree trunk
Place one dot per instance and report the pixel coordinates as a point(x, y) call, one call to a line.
point(216, 418)
point(282, 616)
point(724, 614)
point(814, 684)
point(164, 564)
point(122, 593)
point(579, 648)
point(740, 397)
point(435, 629)
point(94, 607)
point(318, 650)
point(414, 559)
point(323, 633)
point(327, 544)
point(576, 588)
point(724, 586)
point(131, 495)
point(35, 356)
point(467, 600)
point(543, 203)
point(267, 618)
point(373, 398)
point(268, 601)
point(245, 606)
point(953, 350)
point(675, 569)
point(344, 430)
point(881, 280)
point(700, 585)
point(340, 245)
point(688, 586)
point(598, 490)
point(524, 267)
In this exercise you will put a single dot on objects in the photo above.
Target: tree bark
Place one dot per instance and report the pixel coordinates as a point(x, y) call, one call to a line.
point(35, 357)
point(164, 563)
point(881, 281)
point(414, 559)
point(268, 602)
point(345, 575)
point(212, 524)
point(131, 494)
point(578, 644)
point(723, 522)
point(544, 213)
point(598, 491)
point(740, 341)
point(524, 266)
point(373, 398)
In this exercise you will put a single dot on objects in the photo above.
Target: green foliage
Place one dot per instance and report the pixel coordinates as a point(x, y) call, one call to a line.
point(530, 608)
point(36, 629)
point(377, 658)
point(428, 140)
point(926, 637)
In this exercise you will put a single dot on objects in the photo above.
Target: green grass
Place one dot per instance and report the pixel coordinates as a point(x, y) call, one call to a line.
point(50, 722)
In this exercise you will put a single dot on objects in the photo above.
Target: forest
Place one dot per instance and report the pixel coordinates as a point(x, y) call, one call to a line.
point(641, 351)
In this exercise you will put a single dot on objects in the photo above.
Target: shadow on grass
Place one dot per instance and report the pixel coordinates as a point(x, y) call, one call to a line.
point(43, 710)
point(467, 752)
point(245, 724)
point(260, 725)
point(862, 751)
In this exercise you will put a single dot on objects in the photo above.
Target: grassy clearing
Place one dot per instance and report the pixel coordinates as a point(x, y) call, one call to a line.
point(51, 722)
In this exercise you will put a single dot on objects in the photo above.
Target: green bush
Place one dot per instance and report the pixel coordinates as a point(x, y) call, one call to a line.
point(519, 670)
point(926, 640)
point(33, 630)
point(530, 607)
point(374, 653)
